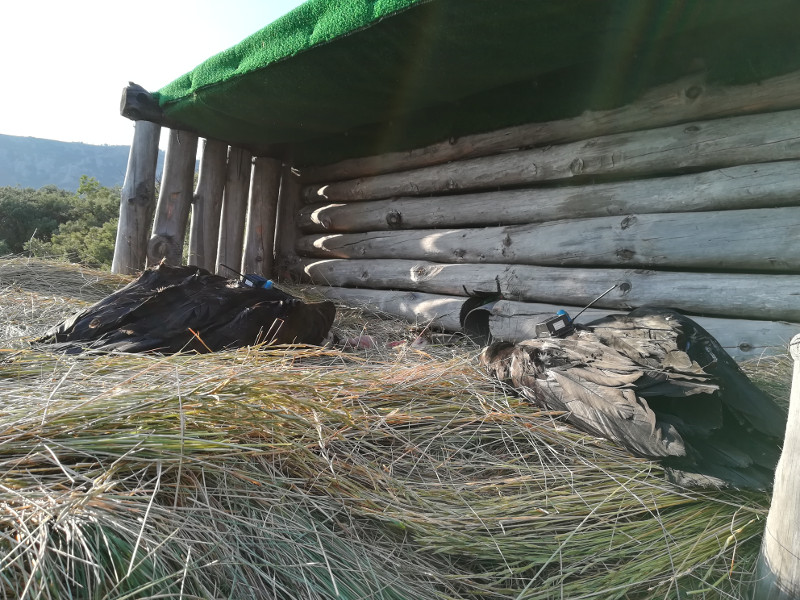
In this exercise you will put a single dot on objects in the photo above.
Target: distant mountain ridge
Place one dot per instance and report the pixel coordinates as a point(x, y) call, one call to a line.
point(36, 162)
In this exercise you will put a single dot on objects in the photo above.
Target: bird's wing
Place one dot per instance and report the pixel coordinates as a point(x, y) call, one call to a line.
point(561, 375)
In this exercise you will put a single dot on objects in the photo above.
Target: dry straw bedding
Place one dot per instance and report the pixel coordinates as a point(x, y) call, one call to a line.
point(317, 473)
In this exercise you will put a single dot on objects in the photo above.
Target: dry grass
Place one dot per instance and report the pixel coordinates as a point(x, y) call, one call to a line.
point(316, 473)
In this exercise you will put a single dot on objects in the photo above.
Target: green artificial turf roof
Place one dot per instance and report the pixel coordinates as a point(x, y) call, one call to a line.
point(340, 78)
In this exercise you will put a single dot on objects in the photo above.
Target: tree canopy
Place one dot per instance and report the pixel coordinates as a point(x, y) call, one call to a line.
point(80, 226)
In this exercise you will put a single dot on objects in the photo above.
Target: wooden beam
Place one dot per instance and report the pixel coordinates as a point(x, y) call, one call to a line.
point(748, 186)
point(732, 295)
point(262, 209)
point(174, 200)
point(207, 205)
point(139, 104)
point(743, 339)
point(688, 99)
point(286, 230)
point(756, 240)
point(137, 202)
point(515, 321)
point(415, 307)
point(234, 209)
point(778, 567)
point(668, 150)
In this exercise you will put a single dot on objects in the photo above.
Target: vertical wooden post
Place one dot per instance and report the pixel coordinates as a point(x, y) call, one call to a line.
point(207, 205)
point(234, 207)
point(262, 208)
point(137, 201)
point(174, 200)
point(286, 229)
point(779, 562)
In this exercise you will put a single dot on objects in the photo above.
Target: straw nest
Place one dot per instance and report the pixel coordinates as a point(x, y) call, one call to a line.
point(318, 473)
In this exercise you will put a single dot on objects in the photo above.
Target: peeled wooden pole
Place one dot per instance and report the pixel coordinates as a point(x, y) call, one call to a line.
point(137, 202)
point(689, 98)
point(174, 200)
point(259, 237)
point(778, 568)
point(756, 240)
point(699, 145)
point(234, 209)
point(763, 185)
point(207, 205)
point(515, 321)
point(286, 230)
point(416, 307)
point(733, 295)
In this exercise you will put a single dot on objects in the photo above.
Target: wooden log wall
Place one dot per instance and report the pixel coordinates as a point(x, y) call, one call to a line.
point(262, 206)
point(234, 210)
point(207, 205)
point(778, 567)
point(233, 216)
point(174, 200)
point(688, 198)
point(138, 201)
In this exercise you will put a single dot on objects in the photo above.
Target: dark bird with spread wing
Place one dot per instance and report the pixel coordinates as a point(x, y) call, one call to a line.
point(173, 309)
point(660, 385)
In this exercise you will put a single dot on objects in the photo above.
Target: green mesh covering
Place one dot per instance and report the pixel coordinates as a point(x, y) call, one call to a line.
point(340, 78)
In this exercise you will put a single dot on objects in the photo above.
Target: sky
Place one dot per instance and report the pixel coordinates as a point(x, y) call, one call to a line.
point(64, 63)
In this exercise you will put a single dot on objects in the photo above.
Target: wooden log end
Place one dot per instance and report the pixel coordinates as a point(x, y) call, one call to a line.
point(138, 104)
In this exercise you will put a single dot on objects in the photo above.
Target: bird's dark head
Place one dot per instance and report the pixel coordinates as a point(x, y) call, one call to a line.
point(496, 357)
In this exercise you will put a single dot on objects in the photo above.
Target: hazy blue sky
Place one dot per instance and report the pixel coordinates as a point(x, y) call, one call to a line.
point(64, 63)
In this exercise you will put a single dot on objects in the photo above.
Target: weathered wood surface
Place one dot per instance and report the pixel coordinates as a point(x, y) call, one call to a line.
point(756, 239)
point(286, 230)
point(262, 207)
point(174, 200)
point(139, 104)
point(748, 296)
point(137, 200)
point(207, 205)
point(687, 99)
point(515, 321)
point(743, 339)
point(699, 145)
point(234, 209)
point(415, 307)
point(747, 186)
point(778, 571)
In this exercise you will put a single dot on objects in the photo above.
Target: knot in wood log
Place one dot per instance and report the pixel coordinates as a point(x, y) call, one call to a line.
point(394, 219)
point(693, 92)
point(576, 166)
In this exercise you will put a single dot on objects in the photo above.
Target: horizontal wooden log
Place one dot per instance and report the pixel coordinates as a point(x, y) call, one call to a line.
point(699, 145)
point(755, 240)
point(515, 321)
point(747, 296)
point(748, 186)
point(139, 104)
point(687, 99)
point(414, 307)
point(743, 339)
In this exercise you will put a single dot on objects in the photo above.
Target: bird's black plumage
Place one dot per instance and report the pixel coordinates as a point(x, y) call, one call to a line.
point(659, 384)
point(172, 309)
